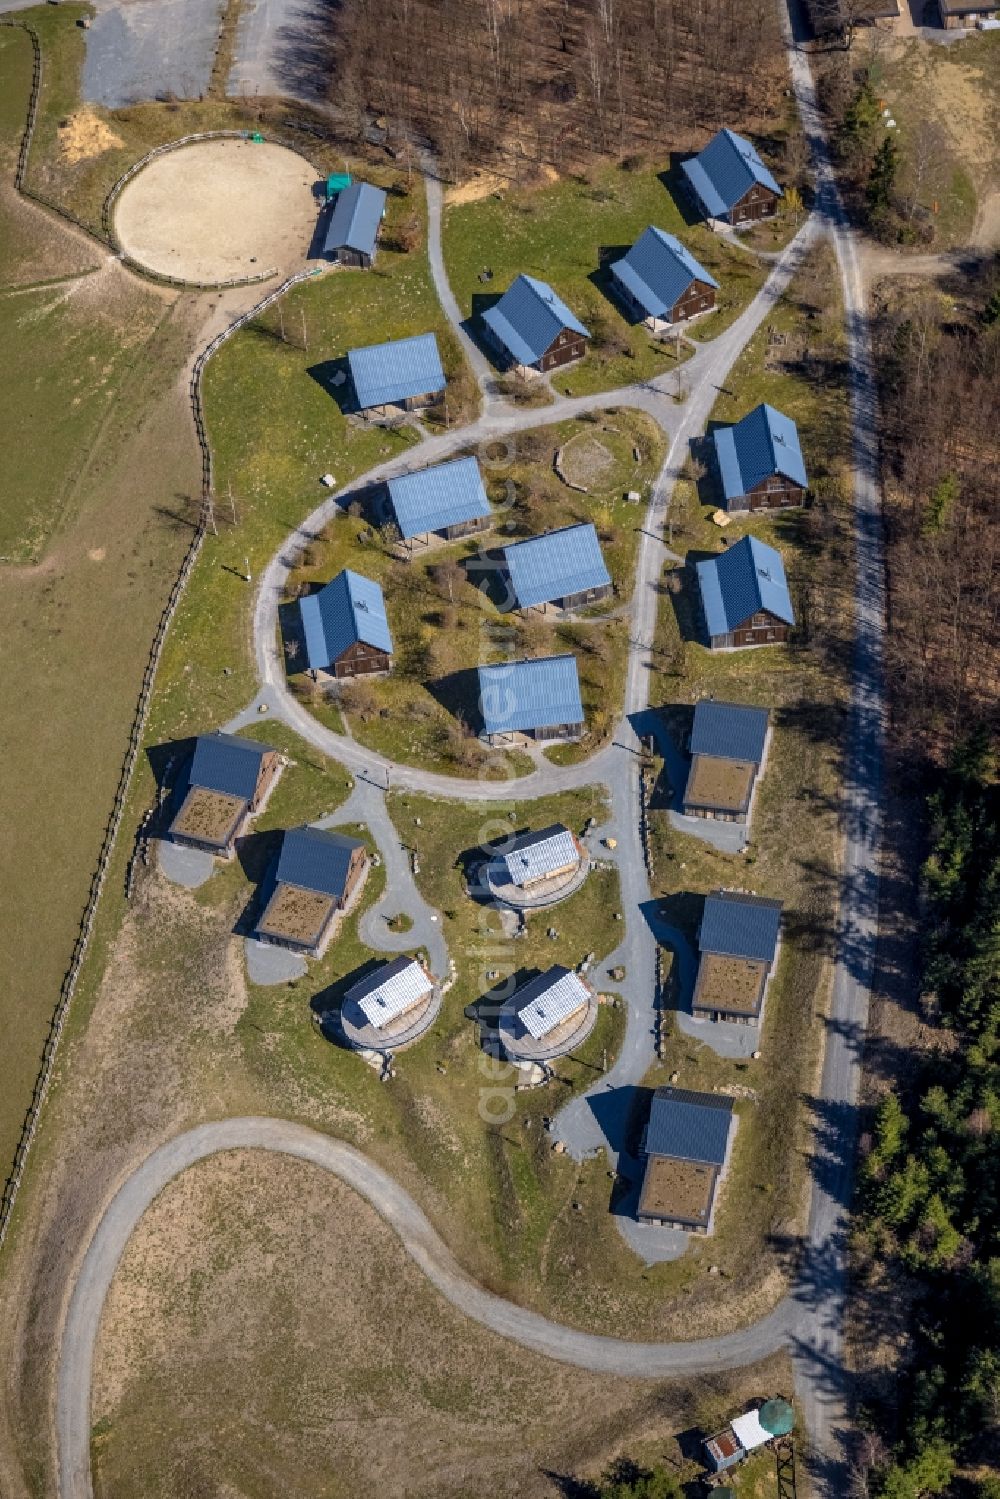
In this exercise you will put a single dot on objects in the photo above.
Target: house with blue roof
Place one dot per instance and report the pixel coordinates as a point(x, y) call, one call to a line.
point(687, 1146)
point(537, 699)
point(441, 503)
point(729, 743)
point(759, 462)
point(563, 568)
point(661, 283)
point(405, 373)
point(345, 628)
point(352, 233)
point(728, 181)
point(738, 944)
point(229, 780)
point(533, 329)
point(744, 596)
point(316, 877)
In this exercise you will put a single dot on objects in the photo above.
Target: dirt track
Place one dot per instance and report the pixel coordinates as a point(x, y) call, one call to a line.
point(218, 209)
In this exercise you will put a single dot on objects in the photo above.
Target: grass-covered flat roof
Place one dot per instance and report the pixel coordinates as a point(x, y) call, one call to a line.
point(721, 784)
point(297, 914)
point(677, 1189)
point(209, 816)
point(735, 985)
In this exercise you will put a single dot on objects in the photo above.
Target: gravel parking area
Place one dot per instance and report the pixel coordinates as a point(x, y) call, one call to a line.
point(148, 48)
point(218, 209)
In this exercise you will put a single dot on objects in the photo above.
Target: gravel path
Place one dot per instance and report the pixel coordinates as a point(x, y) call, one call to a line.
point(419, 1239)
point(811, 1320)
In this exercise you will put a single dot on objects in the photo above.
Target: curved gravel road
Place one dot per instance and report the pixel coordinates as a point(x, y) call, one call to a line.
point(427, 1249)
point(811, 1321)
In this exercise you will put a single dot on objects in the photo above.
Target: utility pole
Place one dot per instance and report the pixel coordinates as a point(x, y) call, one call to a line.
point(305, 336)
point(247, 575)
point(210, 513)
point(232, 501)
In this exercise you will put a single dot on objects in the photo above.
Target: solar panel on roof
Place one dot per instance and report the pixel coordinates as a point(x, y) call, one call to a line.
point(546, 1001)
point(533, 857)
point(391, 991)
point(227, 764)
point(740, 926)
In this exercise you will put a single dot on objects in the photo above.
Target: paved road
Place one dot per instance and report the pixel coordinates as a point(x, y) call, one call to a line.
point(281, 48)
point(419, 1239)
point(821, 1378)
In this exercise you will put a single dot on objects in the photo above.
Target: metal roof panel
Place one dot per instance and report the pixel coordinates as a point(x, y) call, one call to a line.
point(688, 1126)
point(558, 563)
point(534, 855)
point(516, 696)
point(390, 990)
point(228, 764)
point(348, 609)
point(431, 499)
point(738, 582)
point(315, 859)
point(545, 1001)
point(763, 443)
point(386, 373)
point(356, 216)
point(529, 317)
point(725, 170)
point(729, 731)
point(658, 269)
point(740, 926)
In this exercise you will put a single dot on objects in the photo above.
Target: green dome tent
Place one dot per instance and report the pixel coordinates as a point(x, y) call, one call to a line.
point(777, 1417)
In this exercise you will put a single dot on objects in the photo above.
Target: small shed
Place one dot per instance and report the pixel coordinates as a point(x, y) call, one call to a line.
point(405, 374)
point(728, 181)
point(536, 699)
point(759, 462)
point(345, 627)
point(352, 233)
point(744, 596)
point(661, 283)
point(533, 328)
point(954, 14)
point(336, 182)
point(564, 568)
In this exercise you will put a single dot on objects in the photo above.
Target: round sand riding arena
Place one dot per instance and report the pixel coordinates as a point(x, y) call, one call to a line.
point(219, 209)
